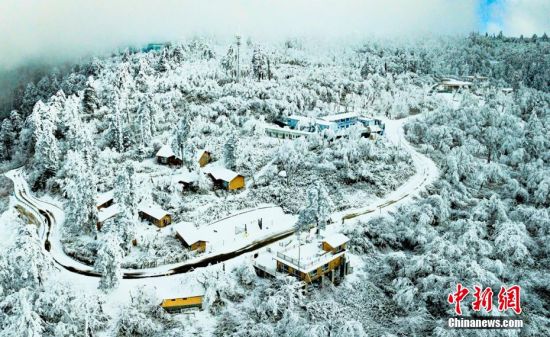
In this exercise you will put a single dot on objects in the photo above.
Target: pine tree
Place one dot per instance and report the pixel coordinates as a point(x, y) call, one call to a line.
point(116, 130)
point(203, 183)
point(46, 152)
point(16, 121)
point(90, 102)
point(229, 62)
point(21, 320)
point(30, 97)
point(79, 188)
point(259, 64)
point(108, 261)
point(28, 266)
point(125, 189)
point(7, 139)
point(144, 127)
point(181, 135)
point(229, 154)
point(317, 210)
point(164, 61)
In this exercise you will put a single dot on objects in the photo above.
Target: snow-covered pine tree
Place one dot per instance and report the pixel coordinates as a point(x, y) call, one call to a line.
point(7, 139)
point(30, 97)
point(19, 317)
point(90, 102)
point(79, 188)
point(27, 265)
point(259, 64)
point(164, 61)
point(181, 135)
point(324, 205)
point(318, 208)
point(116, 130)
point(46, 152)
point(229, 154)
point(144, 129)
point(203, 183)
point(125, 189)
point(229, 62)
point(108, 261)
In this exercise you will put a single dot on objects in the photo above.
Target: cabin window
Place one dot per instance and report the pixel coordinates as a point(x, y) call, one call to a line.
point(313, 273)
point(325, 267)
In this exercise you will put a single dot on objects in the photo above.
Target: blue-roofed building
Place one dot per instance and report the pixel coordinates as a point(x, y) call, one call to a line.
point(343, 120)
point(293, 121)
point(331, 122)
point(153, 46)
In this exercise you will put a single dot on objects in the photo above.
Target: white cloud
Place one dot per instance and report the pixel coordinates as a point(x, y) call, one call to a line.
point(517, 17)
point(58, 29)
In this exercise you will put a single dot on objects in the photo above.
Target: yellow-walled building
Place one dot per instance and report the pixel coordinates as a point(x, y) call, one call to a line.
point(190, 236)
point(180, 302)
point(203, 157)
point(154, 214)
point(311, 262)
point(225, 178)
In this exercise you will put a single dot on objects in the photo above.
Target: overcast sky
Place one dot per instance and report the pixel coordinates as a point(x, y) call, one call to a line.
point(59, 29)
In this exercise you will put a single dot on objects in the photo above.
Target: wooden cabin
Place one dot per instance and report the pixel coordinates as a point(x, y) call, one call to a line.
point(190, 236)
point(179, 303)
point(224, 178)
point(203, 157)
point(166, 156)
point(155, 215)
point(104, 200)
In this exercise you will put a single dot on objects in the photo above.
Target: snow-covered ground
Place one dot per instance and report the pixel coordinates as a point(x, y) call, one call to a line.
point(225, 239)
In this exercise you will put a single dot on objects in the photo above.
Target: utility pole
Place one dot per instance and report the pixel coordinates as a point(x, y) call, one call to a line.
point(238, 37)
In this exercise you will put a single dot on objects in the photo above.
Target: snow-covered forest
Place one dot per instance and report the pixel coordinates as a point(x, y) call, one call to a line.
point(98, 126)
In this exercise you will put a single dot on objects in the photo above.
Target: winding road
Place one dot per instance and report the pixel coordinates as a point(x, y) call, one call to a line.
point(50, 217)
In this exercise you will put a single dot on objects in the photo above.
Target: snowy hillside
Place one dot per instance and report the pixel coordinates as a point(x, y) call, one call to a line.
point(183, 172)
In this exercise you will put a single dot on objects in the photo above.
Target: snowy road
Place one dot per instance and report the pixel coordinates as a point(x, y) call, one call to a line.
point(52, 216)
point(426, 172)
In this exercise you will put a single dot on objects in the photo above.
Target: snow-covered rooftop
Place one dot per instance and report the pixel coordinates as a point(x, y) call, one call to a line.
point(337, 117)
point(178, 290)
point(188, 232)
point(221, 173)
point(374, 128)
point(335, 240)
point(165, 151)
point(199, 153)
point(306, 257)
point(153, 210)
point(287, 131)
point(107, 213)
point(300, 118)
point(103, 198)
point(324, 122)
point(456, 83)
point(185, 177)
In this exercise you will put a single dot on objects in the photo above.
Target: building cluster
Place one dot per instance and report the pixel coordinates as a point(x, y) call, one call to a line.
point(315, 261)
point(451, 84)
point(221, 177)
point(151, 212)
point(295, 126)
